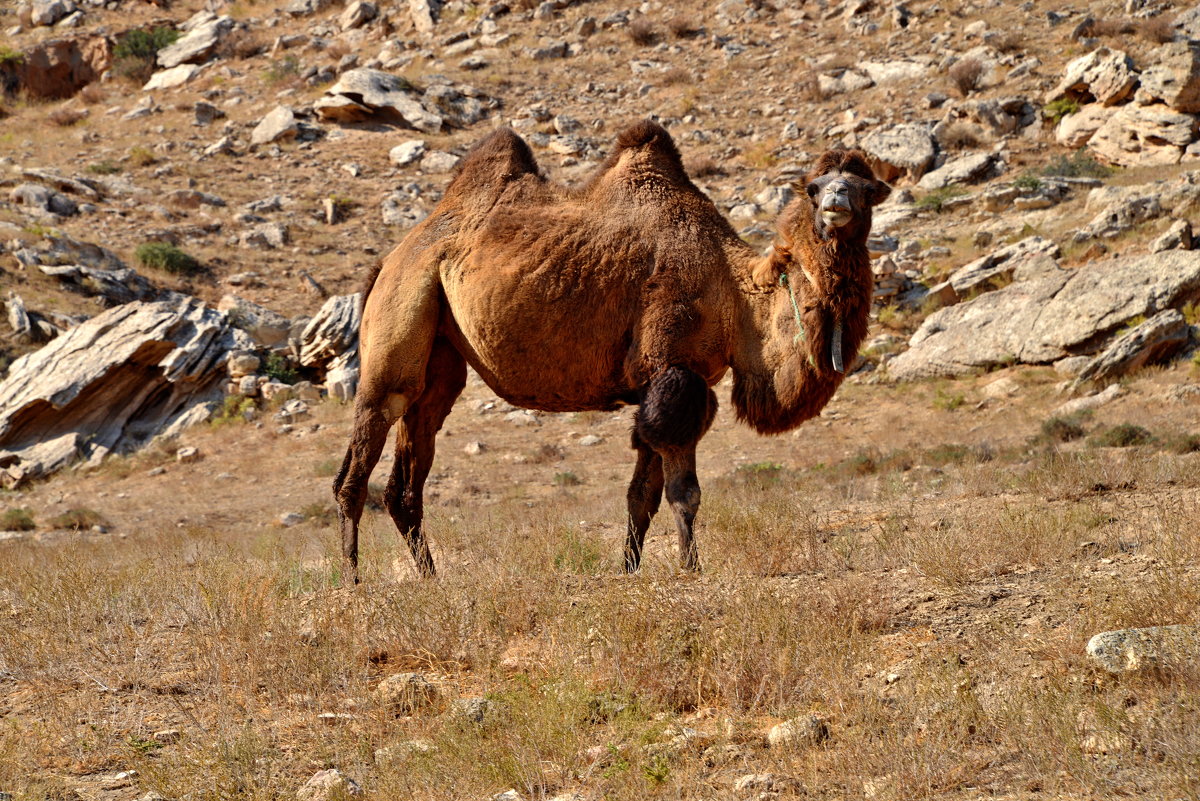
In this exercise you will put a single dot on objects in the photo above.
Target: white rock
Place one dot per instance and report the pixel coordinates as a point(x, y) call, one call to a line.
point(289, 519)
point(170, 78)
point(186, 455)
point(280, 123)
point(804, 730)
point(438, 161)
point(196, 44)
point(328, 785)
point(1136, 649)
point(1105, 75)
point(408, 152)
point(1074, 130)
point(405, 693)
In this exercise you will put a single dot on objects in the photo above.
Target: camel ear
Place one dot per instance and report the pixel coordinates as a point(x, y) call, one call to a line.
point(880, 192)
point(812, 189)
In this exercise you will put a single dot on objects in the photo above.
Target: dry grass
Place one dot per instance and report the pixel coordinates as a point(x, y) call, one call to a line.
point(931, 636)
point(960, 136)
point(642, 32)
point(66, 117)
point(683, 27)
point(966, 75)
point(1158, 30)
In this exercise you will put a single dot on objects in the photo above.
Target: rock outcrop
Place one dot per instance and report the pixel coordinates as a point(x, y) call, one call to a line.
point(1144, 136)
point(56, 68)
point(1103, 75)
point(330, 342)
point(111, 384)
point(365, 93)
point(1066, 313)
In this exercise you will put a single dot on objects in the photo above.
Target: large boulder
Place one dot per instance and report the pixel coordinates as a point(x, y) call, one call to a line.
point(967, 169)
point(330, 342)
point(900, 150)
point(1001, 264)
point(1104, 75)
point(364, 93)
point(56, 68)
point(110, 384)
point(1075, 130)
point(1173, 77)
point(197, 44)
point(1154, 340)
point(267, 327)
point(1141, 136)
point(280, 123)
point(1060, 314)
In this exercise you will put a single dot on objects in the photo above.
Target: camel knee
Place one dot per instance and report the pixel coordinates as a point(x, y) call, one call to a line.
point(676, 410)
point(683, 493)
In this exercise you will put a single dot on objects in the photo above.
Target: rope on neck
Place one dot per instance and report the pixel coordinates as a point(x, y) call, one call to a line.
point(783, 281)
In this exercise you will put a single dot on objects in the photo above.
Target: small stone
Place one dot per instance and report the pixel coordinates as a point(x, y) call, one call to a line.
point(166, 736)
point(1002, 388)
point(508, 795)
point(474, 448)
point(1128, 650)
point(328, 785)
point(186, 455)
point(156, 471)
point(475, 709)
point(588, 440)
point(438, 161)
point(407, 153)
point(243, 364)
point(405, 693)
point(289, 519)
point(804, 730)
point(248, 385)
point(391, 755)
point(1104, 742)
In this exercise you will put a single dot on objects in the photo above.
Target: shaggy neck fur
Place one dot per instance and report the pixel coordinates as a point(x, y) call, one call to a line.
point(780, 382)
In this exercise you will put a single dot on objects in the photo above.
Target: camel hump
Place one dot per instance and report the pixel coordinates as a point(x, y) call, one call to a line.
point(498, 158)
point(652, 138)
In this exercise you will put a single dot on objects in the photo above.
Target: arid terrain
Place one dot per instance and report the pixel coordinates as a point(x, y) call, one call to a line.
point(896, 598)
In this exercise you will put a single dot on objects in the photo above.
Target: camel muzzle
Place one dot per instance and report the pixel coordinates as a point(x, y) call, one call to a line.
point(835, 207)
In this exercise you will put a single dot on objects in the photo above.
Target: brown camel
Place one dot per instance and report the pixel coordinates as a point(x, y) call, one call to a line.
point(631, 289)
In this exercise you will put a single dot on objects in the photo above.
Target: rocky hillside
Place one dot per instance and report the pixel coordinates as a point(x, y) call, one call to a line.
point(259, 156)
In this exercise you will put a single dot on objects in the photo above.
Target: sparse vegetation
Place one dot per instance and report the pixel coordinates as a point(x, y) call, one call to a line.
point(935, 200)
point(642, 32)
point(17, 519)
point(960, 136)
point(79, 519)
point(683, 27)
point(134, 55)
point(285, 69)
point(704, 167)
point(1122, 435)
point(1080, 164)
point(1158, 30)
point(141, 156)
point(10, 56)
point(1028, 182)
point(1062, 429)
point(966, 75)
point(66, 117)
point(278, 367)
point(1055, 110)
point(166, 257)
point(947, 401)
point(105, 167)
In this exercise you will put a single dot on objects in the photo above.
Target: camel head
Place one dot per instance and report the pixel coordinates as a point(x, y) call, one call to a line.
point(843, 190)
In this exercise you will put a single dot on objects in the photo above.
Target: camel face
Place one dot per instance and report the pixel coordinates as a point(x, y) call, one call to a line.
point(842, 198)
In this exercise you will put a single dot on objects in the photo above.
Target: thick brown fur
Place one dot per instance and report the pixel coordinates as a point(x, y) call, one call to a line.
point(631, 288)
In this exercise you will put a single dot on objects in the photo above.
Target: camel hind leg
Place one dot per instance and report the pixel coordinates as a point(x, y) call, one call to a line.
point(350, 486)
point(445, 377)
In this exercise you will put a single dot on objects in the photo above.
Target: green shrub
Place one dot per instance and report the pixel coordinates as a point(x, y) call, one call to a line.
point(278, 367)
point(1061, 429)
point(165, 256)
point(78, 519)
point(936, 199)
point(1028, 183)
point(1182, 443)
point(7, 55)
point(136, 53)
point(105, 167)
point(1078, 165)
point(947, 401)
point(1056, 110)
point(1124, 435)
point(17, 519)
point(286, 68)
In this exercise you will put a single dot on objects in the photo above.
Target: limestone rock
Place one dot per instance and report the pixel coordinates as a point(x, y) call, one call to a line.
point(357, 14)
point(407, 153)
point(1154, 340)
point(48, 12)
point(439, 161)
point(381, 93)
point(1138, 136)
point(332, 331)
point(406, 693)
point(900, 150)
point(170, 78)
point(1177, 237)
point(456, 107)
point(1173, 76)
point(42, 201)
point(1120, 216)
point(891, 72)
point(267, 236)
point(804, 730)
point(1074, 130)
point(280, 123)
point(110, 384)
point(304, 8)
point(1163, 647)
point(268, 328)
point(1046, 319)
point(57, 68)
point(1087, 404)
point(842, 82)
point(424, 14)
point(967, 169)
point(328, 785)
point(196, 45)
point(119, 286)
point(1000, 264)
point(1104, 75)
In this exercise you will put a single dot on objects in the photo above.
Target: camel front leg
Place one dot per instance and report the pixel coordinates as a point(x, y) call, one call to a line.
point(683, 496)
point(643, 497)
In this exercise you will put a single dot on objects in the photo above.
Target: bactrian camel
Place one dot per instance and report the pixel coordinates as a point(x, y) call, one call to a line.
point(631, 289)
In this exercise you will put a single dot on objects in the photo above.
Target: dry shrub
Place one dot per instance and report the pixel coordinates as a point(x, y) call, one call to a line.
point(241, 44)
point(66, 117)
point(677, 75)
point(966, 75)
point(1008, 42)
point(682, 27)
point(642, 32)
point(1111, 27)
point(703, 167)
point(1159, 30)
point(959, 136)
point(808, 87)
point(337, 49)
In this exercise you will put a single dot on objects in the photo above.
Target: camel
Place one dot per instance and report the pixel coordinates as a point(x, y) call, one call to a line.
point(629, 289)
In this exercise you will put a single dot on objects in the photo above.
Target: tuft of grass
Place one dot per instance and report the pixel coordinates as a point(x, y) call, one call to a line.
point(141, 156)
point(966, 75)
point(935, 200)
point(10, 56)
point(66, 117)
point(1028, 182)
point(17, 519)
point(105, 167)
point(1159, 30)
point(1078, 165)
point(167, 257)
point(960, 136)
point(78, 519)
point(1191, 312)
point(704, 167)
point(683, 27)
point(1182, 443)
point(1057, 109)
point(1122, 435)
point(1062, 429)
point(947, 401)
point(1008, 42)
point(287, 68)
point(566, 478)
point(642, 32)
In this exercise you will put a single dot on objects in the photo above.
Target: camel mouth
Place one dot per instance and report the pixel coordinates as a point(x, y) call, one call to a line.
point(836, 218)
